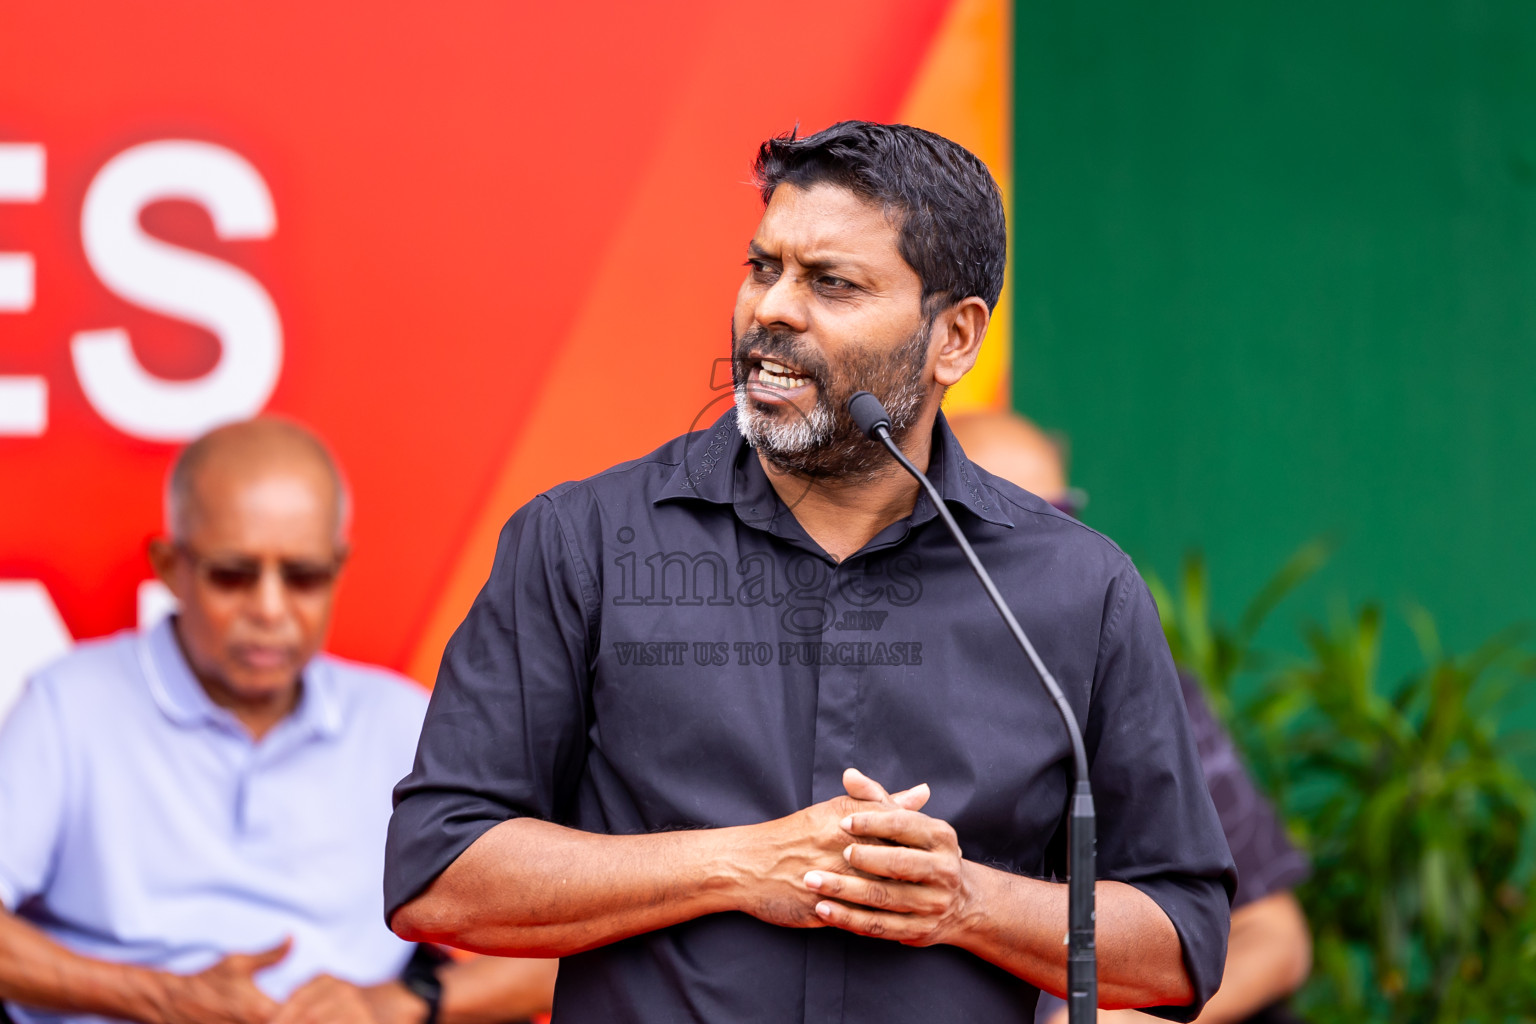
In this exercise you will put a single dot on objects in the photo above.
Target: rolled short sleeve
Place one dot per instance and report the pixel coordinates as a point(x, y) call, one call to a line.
point(32, 795)
point(1157, 828)
point(505, 731)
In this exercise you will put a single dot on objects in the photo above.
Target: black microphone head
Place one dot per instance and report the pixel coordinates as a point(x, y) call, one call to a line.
point(868, 413)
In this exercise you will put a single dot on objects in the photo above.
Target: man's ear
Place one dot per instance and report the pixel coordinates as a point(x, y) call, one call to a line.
point(162, 559)
point(963, 326)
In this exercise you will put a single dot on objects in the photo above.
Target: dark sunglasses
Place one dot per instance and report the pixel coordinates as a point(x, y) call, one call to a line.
point(234, 575)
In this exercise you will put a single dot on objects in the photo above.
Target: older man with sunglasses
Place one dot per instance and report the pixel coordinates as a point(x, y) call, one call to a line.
point(192, 819)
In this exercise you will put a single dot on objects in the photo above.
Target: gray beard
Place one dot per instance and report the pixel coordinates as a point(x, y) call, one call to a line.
point(775, 437)
point(826, 442)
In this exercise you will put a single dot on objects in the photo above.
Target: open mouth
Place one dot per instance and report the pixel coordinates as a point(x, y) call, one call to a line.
point(772, 380)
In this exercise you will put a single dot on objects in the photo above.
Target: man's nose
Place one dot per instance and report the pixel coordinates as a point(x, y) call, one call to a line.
point(269, 603)
point(782, 305)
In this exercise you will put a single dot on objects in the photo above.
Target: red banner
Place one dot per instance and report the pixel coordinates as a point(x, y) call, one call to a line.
point(479, 247)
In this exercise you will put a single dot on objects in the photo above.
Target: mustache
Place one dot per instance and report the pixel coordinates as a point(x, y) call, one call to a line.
point(780, 346)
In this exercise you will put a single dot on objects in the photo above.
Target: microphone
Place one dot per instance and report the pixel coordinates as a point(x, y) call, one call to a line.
point(1082, 965)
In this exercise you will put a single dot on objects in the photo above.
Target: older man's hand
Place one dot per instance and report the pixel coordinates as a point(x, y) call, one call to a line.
point(328, 1000)
point(225, 993)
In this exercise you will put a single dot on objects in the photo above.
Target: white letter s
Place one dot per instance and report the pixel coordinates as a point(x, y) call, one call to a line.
point(179, 283)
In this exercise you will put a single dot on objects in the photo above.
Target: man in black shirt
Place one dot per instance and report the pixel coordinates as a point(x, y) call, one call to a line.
point(640, 752)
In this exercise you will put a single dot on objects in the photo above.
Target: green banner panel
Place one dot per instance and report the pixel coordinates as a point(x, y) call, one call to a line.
point(1276, 278)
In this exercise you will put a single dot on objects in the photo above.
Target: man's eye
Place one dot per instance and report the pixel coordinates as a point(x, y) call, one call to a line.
point(233, 577)
point(834, 284)
point(761, 268)
point(304, 578)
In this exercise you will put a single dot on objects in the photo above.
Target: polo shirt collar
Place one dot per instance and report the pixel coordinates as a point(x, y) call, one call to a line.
point(182, 699)
point(719, 467)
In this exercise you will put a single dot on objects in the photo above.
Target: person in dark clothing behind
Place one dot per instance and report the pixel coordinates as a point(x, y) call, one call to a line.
point(1269, 953)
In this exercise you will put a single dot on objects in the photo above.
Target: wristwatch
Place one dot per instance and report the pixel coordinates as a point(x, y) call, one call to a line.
point(420, 978)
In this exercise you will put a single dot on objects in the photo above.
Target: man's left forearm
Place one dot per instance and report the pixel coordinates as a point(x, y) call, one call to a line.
point(914, 887)
point(1020, 924)
point(1017, 923)
point(1268, 958)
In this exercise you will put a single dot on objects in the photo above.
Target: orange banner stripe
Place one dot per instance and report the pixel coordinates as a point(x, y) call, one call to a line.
point(596, 389)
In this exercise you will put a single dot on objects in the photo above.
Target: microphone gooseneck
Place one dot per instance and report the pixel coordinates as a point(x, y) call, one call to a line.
point(1082, 972)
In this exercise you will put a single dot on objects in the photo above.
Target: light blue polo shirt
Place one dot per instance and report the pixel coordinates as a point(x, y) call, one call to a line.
point(140, 823)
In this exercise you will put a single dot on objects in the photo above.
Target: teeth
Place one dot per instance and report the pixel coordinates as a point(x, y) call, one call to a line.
point(778, 375)
point(778, 380)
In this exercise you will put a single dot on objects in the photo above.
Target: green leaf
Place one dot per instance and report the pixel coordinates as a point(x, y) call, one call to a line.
point(1410, 802)
point(1301, 566)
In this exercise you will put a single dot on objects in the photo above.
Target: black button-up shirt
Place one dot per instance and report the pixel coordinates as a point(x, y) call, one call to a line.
point(663, 646)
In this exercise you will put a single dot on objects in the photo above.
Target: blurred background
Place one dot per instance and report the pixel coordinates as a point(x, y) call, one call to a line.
point(481, 251)
point(1273, 280)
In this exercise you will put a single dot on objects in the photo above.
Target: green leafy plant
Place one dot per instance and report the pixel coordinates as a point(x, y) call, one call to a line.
point(1418, 821)
point(1217, 654)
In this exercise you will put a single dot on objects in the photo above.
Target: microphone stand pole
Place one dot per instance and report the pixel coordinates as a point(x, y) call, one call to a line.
point(1082, 967)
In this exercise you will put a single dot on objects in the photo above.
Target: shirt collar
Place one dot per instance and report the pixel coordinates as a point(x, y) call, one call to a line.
point(182, 699)
point(958, 481)
point(706, 471)
point(719, 467)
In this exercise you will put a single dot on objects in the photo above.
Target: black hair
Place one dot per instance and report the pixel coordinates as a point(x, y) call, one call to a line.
point(948, 210)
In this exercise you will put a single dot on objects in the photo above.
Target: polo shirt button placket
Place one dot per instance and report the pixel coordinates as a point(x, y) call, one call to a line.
point(243, 795)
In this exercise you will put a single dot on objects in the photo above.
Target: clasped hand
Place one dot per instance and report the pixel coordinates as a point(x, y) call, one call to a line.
point(226, 993)
point(870, 863)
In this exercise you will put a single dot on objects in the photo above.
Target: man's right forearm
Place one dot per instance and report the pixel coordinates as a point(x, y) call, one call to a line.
point(36, 971)
point(535, 889)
